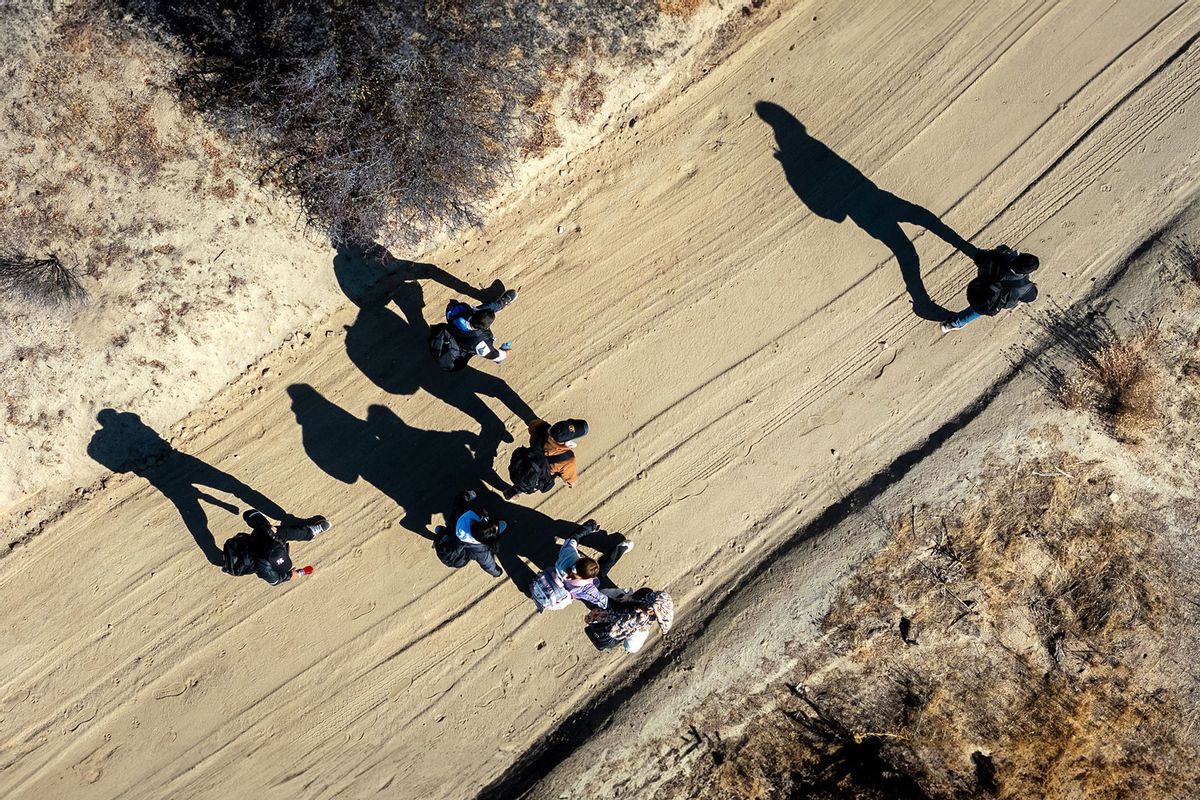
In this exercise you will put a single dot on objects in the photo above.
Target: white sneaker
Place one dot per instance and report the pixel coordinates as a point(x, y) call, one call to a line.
point(947, 327)
point(625, 546)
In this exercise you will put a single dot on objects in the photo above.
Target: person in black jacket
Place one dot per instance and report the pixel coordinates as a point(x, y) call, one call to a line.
point(474, 537)
point(1002, 283)
point(268, 546)
point(467, 332)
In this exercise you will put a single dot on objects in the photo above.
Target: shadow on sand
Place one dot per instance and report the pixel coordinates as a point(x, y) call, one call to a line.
point(126, 444)
point(423, 471)
point(834, 189)
point(389, 342)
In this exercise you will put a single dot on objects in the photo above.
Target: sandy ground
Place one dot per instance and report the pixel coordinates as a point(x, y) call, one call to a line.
point(744, 363)
point(685, 727)
point(193, 271)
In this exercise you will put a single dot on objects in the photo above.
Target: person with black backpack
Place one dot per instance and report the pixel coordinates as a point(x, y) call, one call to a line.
point(467, 332)
point(550, 455)
point(265, 549)
point(1002, 283)
point(474, 537)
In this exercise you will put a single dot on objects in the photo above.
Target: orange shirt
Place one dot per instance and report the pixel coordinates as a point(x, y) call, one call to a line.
point(565, 469)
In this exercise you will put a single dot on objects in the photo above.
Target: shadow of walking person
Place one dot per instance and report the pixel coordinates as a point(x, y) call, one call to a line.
point(392, 349)
point(126, 444)
point(418, 469)
point(834, 189)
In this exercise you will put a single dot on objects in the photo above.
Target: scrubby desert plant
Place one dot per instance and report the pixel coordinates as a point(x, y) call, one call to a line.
point(40, 281)
point(1187, 257)
point(388, 120)
point(1122, 383)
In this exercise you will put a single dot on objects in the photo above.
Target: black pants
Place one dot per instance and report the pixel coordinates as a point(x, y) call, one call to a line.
point(609, 559)
point(261, 526)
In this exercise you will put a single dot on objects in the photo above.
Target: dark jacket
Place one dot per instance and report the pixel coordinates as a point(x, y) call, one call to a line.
point(454, 553)
point(272, 561)
point(471, 340)
point(998, 286)
point(450, 546)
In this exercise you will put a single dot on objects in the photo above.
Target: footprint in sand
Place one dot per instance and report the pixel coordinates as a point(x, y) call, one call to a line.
point(82, 715)
point(567, 666)
point(815, 421)
point(883, 361)
point(689, 490)
point(362, 609)
point(170, 690)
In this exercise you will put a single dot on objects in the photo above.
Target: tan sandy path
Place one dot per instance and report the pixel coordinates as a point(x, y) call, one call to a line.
point(721, 339)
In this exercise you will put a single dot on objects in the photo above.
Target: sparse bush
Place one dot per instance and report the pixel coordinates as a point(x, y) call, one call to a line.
point(389, 121)
point(1044, 624)
point(40, 281)
point(1187, 257)
point(1122, 382)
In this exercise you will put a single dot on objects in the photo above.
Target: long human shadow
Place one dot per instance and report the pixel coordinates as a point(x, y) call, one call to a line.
point(422, 471)
point(412, 466)
point(124, 443)
point(389, 342)
point(834, 189)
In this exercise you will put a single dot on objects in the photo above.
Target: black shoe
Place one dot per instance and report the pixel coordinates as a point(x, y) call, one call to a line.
point(507, 298)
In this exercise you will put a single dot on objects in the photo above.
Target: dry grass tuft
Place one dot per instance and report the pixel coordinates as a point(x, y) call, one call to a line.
point(588, 98)
point(43, 282)
point(1018, 645)
point(1122, 383)
point(1187, 257)
point(678, 8)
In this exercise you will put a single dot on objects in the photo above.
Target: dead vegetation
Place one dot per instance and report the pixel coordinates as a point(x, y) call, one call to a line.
point(1186, 256)
point(86, 139)
point(1025, 644)
point(679, 8)
point(1121, 382)
point(43, 282)
point(388, 121)
point(588, 97)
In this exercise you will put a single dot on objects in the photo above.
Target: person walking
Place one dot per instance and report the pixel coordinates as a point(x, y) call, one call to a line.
point(1002, 283)
point(628, 619)
point(550, 455)
point(475, 536)
point(467, 332)
point(264, 550)
point(577, 577)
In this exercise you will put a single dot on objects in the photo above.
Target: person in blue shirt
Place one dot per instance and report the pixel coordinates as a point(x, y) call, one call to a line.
point(471, 328)
point(474, 537)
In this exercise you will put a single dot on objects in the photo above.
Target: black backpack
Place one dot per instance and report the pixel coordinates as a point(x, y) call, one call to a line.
point(445, 349)
point(238, 559)
point(529, 471)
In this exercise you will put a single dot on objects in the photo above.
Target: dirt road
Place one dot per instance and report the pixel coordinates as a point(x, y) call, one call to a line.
point(717, 288)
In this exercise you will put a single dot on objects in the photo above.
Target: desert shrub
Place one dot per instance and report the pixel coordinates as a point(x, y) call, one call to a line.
point(1122, 383)
point(679, 8)
point(387, 120)
point(1036, 614)
point(1187, 258)
point(39, 281)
